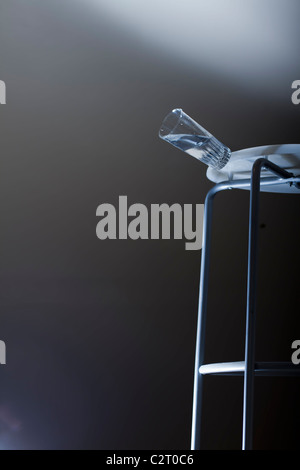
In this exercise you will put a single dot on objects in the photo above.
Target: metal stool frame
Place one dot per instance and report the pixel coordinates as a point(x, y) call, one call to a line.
point(249, 368)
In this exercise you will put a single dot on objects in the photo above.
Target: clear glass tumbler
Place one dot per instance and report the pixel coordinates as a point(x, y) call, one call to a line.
point(183, 132)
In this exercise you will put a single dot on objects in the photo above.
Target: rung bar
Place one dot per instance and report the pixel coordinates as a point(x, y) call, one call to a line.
point(262, 369)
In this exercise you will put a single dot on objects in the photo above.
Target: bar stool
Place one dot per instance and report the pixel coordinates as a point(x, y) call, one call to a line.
point(270, 169)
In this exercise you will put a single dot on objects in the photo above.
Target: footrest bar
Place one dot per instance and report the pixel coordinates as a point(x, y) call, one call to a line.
point(263, 369)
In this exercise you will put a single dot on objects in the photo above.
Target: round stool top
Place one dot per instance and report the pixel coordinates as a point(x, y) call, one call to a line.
point(239, 167)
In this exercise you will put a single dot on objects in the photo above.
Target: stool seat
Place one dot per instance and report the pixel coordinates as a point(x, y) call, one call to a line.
point(239, 167)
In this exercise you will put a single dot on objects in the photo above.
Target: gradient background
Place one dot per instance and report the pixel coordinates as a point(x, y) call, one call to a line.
point(100, 335)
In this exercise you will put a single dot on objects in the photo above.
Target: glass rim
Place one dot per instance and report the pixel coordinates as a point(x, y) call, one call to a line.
point(164, 129)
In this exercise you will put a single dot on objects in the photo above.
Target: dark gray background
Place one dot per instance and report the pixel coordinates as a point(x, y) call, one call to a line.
point(100, 335)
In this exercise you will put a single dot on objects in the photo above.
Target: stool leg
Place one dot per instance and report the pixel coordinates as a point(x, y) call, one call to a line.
point(251, 311)
point(200, 339)
point(203, 294)
point(251, 294)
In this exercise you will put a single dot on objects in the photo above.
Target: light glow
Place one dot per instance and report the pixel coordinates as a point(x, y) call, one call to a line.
point(253, 42)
